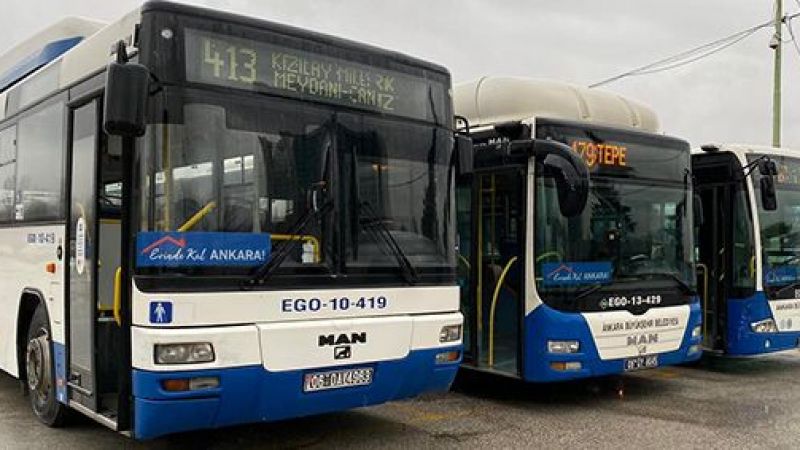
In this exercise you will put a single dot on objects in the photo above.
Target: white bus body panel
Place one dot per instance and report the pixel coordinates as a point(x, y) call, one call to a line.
point(25, 251)
point(242, 307)
point(620, 334)
point(248, 328)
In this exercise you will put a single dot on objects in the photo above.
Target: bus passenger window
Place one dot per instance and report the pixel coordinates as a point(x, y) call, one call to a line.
point(39, 186)
point(8, 164)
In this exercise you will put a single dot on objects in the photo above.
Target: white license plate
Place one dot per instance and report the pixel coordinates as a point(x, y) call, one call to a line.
point(641, 362)
point(335, 379)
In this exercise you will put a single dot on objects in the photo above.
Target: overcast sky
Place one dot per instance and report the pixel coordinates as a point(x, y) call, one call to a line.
point(724, 98)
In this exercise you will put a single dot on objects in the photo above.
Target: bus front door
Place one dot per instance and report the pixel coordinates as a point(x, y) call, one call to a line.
point(94, 244)
point(498, 288)
point(713, 252)
point(81, 293)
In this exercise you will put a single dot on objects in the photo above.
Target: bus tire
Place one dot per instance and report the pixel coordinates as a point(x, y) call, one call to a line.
point(40, 371)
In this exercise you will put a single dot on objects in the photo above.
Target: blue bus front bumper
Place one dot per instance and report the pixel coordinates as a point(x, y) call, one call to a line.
point(545, 324)
point(253, 394)
point(742, 340)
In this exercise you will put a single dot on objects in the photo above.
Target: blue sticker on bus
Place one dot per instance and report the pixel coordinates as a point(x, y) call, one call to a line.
point(780, 275)
point(577, 273)
point(160, 312)
point(60, 358)
point(202, 249)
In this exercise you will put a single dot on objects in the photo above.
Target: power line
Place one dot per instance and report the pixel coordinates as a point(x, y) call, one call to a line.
point(693, 54)
point(794, 39)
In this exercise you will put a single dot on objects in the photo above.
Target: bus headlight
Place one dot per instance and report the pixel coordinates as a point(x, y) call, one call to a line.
point(191, 353)
point(697, 331)
point(450, 333)
point(563, 346)
point(764, 326)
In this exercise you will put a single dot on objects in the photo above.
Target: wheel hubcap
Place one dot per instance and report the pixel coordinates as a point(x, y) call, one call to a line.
point(38, 368)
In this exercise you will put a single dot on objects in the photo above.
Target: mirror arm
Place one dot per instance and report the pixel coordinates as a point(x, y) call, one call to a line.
point(748, 169)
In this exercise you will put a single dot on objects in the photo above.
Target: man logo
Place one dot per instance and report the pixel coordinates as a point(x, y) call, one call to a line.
point(342, 352)
point(643, 339)
point(343, 338)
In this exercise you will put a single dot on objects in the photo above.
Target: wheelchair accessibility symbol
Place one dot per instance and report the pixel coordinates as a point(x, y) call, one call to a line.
point(160, 312)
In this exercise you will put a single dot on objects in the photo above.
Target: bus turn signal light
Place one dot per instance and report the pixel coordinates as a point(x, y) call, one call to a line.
point(565, 366)
point(448, 357)
point(50, 267)
point(175, 385)
point(190, 384)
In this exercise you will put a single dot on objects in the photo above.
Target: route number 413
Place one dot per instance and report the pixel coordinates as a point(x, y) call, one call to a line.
point(234, 63)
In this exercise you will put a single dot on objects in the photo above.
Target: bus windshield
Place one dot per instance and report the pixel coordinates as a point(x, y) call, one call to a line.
point(231, 163)
point(780, 229)
point(634, 236)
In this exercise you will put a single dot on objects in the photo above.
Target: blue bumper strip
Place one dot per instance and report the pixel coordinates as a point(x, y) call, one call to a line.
point(741, 340)
point(546, 323)
point(253, 394)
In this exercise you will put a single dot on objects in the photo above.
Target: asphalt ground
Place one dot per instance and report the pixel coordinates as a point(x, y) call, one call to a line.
point(722, 403)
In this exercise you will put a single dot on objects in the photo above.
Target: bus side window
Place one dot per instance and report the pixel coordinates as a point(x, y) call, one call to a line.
point(39, 186)
point(8, 164)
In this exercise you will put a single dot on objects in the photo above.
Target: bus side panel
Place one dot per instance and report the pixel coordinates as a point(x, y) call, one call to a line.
point(741, 338)
point(25, 253)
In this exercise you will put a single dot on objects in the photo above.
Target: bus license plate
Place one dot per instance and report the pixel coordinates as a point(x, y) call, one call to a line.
point(335, 379)
point(641, 362)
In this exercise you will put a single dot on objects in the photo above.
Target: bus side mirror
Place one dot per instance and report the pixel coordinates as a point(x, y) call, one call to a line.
point(570, 172)
point(697, 207)
point(769, 200)
point(464, 154)
point(126, 95)
point(767, 166)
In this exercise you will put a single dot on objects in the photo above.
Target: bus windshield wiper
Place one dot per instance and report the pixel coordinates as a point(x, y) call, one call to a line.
point(375, 226)
point(685, 287)
point(281, 253)
point(588, 290)
point(783, 289)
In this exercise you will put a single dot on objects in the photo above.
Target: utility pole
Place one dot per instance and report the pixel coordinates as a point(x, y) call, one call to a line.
point(776, 44)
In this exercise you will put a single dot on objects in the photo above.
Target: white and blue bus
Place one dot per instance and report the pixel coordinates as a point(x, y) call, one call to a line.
point(748, 247)
point(244, 222)
point(561, 280)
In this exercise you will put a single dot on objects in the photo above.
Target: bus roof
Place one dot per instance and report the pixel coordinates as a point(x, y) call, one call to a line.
point(746, 149)
point(43, 47)
point(492, 100)
point(80, 46)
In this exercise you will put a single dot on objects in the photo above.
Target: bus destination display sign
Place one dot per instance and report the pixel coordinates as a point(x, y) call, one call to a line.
point(223, 60)
point(600, 154)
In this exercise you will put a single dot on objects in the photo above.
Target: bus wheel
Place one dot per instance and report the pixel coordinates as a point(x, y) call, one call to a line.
point(40, 371)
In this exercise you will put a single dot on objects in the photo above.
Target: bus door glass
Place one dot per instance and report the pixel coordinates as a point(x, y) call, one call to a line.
point(82, 289)
point(465, 242)
point(500, 263)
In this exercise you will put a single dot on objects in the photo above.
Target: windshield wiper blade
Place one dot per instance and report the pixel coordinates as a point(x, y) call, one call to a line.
point(683, 284)
point(375, 225)
point(783, 289)
point(265, 271)
point(588, 290)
